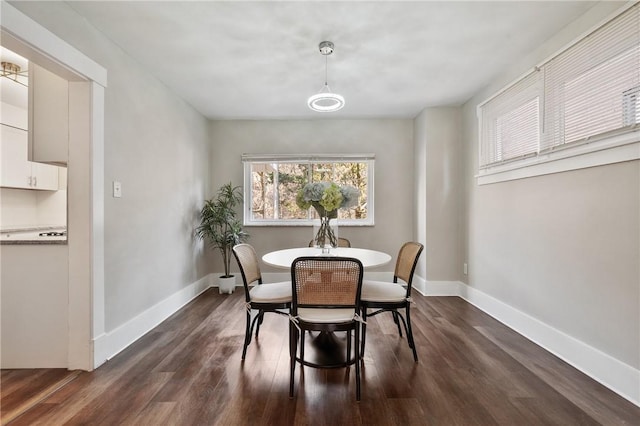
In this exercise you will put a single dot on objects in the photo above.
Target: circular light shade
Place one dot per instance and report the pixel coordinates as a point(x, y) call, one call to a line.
point(326, 102)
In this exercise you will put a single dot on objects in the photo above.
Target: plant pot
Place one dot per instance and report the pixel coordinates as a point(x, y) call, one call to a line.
point(226, 284)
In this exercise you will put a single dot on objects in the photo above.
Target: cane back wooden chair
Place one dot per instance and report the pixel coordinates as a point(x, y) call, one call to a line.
point(272, 297)
point(391, 297)
point(326, 298)
point(342, 242)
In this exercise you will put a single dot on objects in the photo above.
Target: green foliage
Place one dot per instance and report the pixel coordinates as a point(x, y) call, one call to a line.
point(219, 224)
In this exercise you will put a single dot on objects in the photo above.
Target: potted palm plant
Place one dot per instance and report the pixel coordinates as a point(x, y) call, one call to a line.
point(220, 226)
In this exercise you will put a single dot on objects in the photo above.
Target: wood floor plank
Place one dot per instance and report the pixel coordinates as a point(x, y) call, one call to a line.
point(278, 408)
point(36, 416)
point(155, 413)
point(590, 396)
point(406, 411)
point(122, 401)
point(18, 386)
point(472, 370)
point(16, 403)
point(23, 381)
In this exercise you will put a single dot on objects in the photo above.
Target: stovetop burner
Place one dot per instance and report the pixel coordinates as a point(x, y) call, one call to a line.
point(53, 234)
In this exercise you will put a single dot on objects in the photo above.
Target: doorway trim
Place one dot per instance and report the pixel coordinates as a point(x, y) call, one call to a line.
point(87, 82)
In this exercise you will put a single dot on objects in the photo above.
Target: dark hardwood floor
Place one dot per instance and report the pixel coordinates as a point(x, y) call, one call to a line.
point(187, 371)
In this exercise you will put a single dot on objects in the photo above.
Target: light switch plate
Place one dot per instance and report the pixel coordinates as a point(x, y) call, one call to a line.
point(117, 189)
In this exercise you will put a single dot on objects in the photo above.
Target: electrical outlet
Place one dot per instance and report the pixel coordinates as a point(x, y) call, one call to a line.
point(117, 189)
point(464, 268)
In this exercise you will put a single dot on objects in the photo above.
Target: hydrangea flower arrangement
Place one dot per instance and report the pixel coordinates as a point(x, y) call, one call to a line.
point(326, 198)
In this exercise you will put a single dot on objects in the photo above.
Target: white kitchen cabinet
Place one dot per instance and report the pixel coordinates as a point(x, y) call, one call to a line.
point(29, 175)
point(44, 176)
point(16, 171)
point(48, 116)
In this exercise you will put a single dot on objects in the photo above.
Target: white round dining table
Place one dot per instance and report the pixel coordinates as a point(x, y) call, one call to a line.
point(284, 258)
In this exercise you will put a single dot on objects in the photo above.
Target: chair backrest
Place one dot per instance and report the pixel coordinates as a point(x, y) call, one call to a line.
point(406, 263)
point(326, 282)
point(342, 242)
point(247, 260)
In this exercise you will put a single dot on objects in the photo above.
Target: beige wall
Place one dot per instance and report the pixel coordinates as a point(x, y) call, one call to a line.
point(438, 183)
point(390, 140)
point(562, 248)
point(157, 146)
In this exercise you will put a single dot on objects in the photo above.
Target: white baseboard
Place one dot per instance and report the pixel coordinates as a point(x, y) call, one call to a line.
point(436, 288)
point(610, 372)
point(111, 343)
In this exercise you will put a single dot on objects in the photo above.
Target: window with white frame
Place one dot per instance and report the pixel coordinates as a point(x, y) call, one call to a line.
point(585, 94)
point(271, 183)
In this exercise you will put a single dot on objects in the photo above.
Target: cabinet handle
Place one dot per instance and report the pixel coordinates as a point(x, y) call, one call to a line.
point(35, 181)
point(30, 181)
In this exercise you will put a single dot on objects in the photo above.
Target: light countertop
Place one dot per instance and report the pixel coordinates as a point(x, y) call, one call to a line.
point(31, 235)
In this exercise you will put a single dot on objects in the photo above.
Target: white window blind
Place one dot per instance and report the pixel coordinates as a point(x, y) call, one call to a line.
point(590, 90)
point(585, 86)
point(511, 122)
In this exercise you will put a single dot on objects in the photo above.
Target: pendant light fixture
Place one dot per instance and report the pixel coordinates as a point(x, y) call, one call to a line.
point(325, 100)
point(14, 73)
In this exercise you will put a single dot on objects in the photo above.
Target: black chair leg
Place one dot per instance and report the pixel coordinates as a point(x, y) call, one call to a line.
point(412, 343)
point(293, 343)
point(247, 335)
point(260, 318)
point(357, 361)
point(395, 319)
point(364, 330)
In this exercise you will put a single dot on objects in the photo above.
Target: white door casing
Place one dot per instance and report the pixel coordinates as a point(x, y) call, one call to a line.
point(87, 80)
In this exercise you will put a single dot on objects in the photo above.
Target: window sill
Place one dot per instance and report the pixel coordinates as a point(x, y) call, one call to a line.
point(597, 153)
point(341, 223)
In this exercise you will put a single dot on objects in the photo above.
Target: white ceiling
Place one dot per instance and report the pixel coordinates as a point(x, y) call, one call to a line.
point(391, 59)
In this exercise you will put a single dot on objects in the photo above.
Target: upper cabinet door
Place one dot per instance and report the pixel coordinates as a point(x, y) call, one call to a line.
point(44, 176)
point(15, 170)
point(48, 116)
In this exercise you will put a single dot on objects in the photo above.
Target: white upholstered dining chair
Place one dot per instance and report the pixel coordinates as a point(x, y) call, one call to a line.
point(393, 296)
point(272, 297)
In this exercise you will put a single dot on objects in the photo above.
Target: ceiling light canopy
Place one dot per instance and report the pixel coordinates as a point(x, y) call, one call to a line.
point(325, 100)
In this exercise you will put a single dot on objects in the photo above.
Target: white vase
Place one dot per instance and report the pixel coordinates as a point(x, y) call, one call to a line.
point(226, 284)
